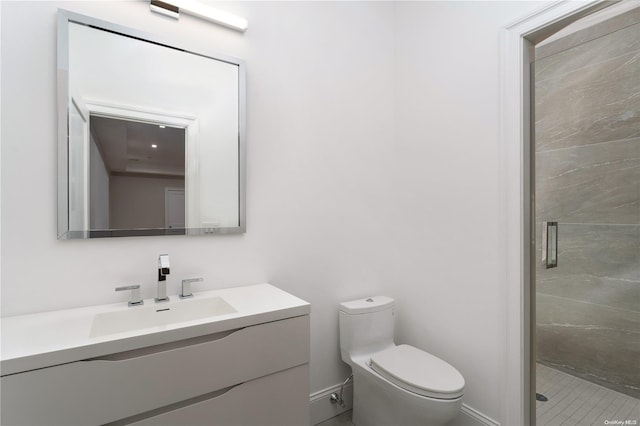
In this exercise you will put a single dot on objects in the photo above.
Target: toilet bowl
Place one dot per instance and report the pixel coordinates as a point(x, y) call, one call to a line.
point(394, 384)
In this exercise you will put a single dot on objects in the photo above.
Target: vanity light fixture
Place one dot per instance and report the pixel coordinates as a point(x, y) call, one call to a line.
point(153, 145)
point(165, 9)
point(173, 8)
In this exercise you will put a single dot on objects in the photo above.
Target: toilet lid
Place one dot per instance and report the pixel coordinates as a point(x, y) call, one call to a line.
point(419, 372)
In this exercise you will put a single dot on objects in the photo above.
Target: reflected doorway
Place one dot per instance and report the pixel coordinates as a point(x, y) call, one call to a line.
point(136, 175)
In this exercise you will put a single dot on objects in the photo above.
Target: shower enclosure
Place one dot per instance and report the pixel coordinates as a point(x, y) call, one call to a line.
point(586, 91)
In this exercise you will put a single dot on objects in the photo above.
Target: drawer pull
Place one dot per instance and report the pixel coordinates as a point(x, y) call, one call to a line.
point(172, 407)
point(137, 353)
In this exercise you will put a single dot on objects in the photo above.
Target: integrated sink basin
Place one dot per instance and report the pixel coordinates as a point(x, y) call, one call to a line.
point(158, 314)
point(185, 361)
point(34, 341)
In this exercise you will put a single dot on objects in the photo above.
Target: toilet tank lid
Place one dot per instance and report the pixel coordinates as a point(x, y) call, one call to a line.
point(366, 305)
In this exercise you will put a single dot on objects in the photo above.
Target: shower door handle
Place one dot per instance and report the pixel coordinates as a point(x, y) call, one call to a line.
point(549, 244)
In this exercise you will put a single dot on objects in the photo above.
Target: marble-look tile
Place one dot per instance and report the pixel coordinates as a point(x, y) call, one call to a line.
point(583, 49)
point(593, 183)
point(587, 143)
point(595, 342)
point(606, 291)
point(594, 104)
point(603, 253)
point(588, 308)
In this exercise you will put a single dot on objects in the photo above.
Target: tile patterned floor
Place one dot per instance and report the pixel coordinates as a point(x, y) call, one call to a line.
point(574, 401)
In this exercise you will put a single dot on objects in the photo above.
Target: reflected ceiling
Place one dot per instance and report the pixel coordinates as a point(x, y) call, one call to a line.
point(131, 147)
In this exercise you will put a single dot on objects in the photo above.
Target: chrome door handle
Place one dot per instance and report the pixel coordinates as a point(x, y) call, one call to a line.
point(549, 244)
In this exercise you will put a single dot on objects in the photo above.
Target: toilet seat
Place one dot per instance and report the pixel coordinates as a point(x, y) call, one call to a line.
point(419, 372)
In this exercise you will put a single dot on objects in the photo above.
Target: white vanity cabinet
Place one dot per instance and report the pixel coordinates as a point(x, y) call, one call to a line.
point(269, 400)
point(254, 375)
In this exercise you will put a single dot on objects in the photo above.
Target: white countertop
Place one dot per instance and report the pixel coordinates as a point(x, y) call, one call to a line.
point(57, 337)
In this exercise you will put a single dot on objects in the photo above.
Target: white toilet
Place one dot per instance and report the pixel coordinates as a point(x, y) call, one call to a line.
point(394, 385)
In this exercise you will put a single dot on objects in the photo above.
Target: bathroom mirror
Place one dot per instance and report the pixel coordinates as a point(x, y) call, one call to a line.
point(150, 135)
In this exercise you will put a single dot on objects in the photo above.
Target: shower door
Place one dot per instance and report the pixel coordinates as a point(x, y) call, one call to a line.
point(586, 90)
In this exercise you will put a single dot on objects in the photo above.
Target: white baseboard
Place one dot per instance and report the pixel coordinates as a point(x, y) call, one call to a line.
point(469, 416)
point(323, 409)
point(321, 406)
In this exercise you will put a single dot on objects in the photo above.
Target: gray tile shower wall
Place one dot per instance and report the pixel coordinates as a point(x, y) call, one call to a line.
point(587, 155)
point(588, 322)
point(581, 101)
point(598, 183)
point(598, 264)
point(615, 22)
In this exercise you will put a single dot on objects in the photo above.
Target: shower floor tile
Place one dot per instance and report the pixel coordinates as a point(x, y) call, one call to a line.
point(574, 401)
point(343, 419)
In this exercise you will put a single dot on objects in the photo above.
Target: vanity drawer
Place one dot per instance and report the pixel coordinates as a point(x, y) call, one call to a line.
point(107, 389)
point(280, 399)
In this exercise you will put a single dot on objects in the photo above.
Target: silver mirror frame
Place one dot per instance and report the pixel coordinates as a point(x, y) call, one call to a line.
point(66, 17)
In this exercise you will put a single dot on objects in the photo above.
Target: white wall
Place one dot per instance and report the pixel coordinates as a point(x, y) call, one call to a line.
point(372, 168)
point(320, 131)
point(139, 201)
point(447, 272)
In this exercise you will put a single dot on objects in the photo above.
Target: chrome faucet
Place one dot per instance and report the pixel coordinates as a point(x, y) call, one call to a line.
point(163, 271)
point(135, 299)
point(185, 291)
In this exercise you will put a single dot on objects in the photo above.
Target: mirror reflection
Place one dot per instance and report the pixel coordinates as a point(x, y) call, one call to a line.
point(137, 175)
point(151, 135)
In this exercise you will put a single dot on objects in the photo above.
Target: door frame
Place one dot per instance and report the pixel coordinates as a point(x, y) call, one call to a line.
point(516, 203)
point(168, 189)
point(82, 167)
point(188, 122)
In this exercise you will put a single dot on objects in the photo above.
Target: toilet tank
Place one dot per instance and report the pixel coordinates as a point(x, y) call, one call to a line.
point(366, 326)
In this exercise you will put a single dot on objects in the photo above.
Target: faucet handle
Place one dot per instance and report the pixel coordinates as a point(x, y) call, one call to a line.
point(163, 264)
point(185, 292)
point(135, 300)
